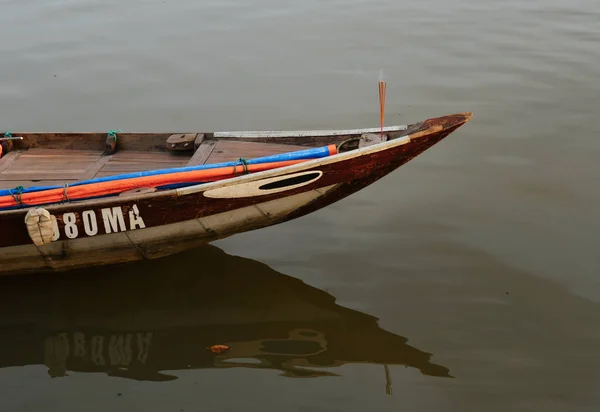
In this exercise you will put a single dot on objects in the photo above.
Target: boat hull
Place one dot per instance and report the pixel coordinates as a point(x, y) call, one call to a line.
point(148, 226)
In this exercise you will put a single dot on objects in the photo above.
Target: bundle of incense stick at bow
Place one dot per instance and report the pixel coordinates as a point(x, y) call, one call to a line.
point(382, 88)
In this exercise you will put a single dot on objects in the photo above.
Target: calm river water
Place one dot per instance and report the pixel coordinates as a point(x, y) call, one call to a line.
point(469, 280)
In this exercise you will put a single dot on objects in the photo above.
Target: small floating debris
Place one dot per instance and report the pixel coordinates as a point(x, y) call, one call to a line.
point(219, 348)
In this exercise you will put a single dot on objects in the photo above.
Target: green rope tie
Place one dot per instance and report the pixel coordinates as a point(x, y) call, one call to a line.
point(65, 195)
point(17, 196)
point(113, 134)
point(243, 162)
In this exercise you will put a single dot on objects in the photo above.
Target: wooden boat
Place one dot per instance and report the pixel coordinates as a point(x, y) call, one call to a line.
point(148, 219)
point(127, 322)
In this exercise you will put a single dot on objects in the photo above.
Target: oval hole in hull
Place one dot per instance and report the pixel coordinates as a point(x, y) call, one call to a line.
point(265, 186)
point(290, 181)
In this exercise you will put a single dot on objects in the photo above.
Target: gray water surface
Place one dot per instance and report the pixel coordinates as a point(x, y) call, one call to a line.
point(482, 252)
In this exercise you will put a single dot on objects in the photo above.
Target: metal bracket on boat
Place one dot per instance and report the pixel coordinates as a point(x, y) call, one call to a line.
point(39, 226)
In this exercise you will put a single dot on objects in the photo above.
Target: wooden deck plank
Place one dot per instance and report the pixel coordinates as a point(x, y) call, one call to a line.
point(202, 153)
point(130, 162)
point(153, 156)
point(39, 166)
point(138, 161)
point(227, 150)
point(154, 161)
point(7, 160)
point(66, 152)
point(44, 164)
point(57, 158)
point(43, 167)
point(42, 175)
point(93, 170)
point(139, 167)
point(10, 184)
point(105, 174)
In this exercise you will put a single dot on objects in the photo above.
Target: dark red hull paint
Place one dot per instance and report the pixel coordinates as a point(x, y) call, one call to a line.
point(353, 174)
point(384, 165)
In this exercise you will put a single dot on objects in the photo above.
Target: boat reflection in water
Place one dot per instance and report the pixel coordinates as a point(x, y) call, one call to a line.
point(139, 320)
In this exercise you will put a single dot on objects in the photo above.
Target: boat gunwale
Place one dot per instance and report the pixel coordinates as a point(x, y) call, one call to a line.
point(240, 133)
point(308, 133)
